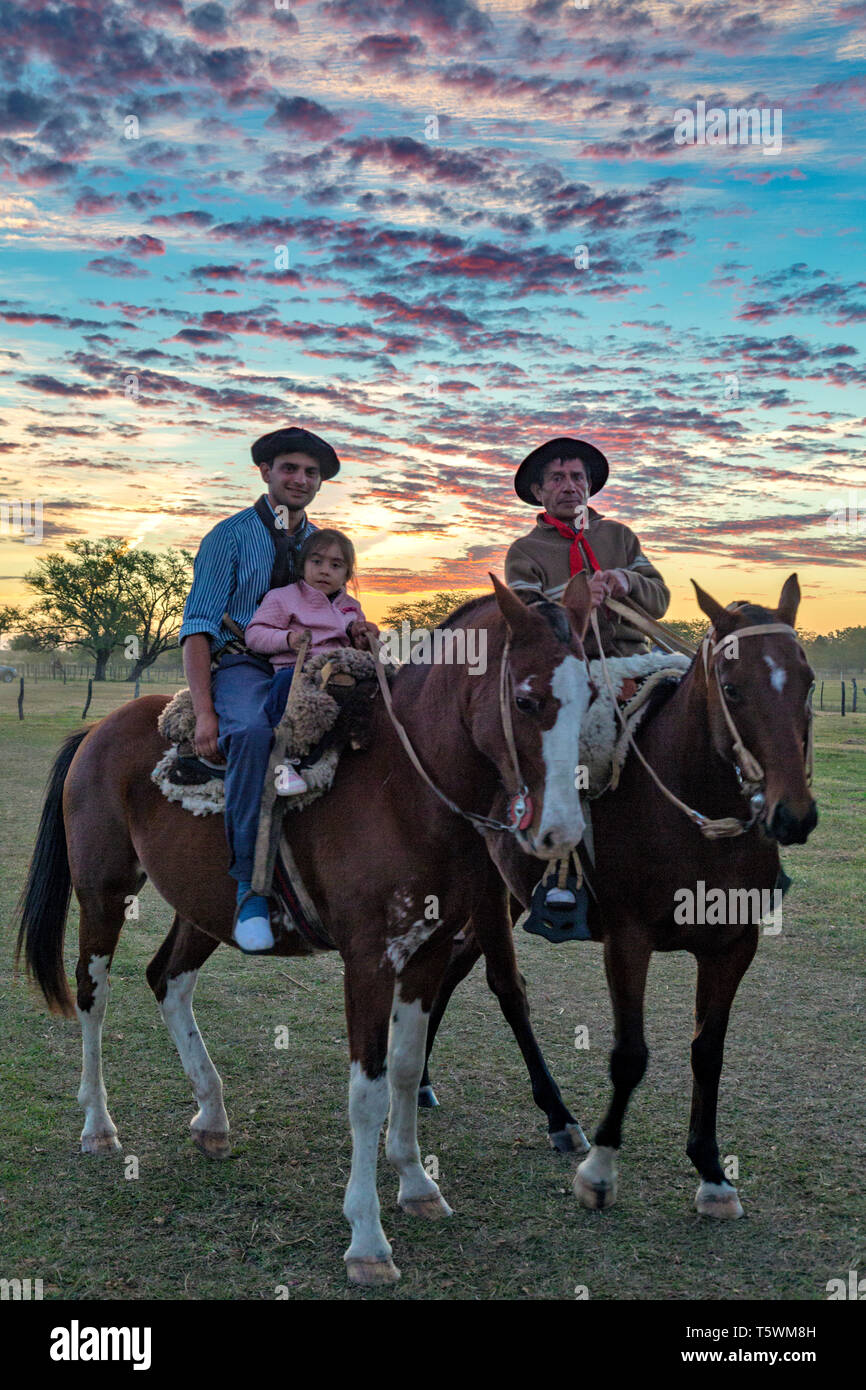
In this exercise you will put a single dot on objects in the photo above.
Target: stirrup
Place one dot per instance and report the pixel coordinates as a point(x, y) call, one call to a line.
point(557, 922)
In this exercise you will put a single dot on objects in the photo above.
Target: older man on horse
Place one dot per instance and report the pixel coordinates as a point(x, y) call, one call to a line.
point(238, 561)
point(569, 537)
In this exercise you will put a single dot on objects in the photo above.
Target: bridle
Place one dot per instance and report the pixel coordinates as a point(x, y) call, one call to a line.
point(520, 808)
point(750, 775)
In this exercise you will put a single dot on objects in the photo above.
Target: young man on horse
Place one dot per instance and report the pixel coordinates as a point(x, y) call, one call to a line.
point(238, 562)
point(559, 476)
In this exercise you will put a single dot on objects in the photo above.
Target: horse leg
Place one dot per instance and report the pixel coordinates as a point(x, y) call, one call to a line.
point(414, 989)
point(465, 953)
point(368, 1258)
point(101, 920)
point(172, 976)
point(718, 979)
point(626, 959)
point(492, 926)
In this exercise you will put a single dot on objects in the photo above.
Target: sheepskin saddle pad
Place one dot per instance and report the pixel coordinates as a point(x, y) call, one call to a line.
point(604, 745)
point(327, 713)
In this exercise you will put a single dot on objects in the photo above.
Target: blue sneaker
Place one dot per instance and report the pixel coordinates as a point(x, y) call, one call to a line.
point(252, 930)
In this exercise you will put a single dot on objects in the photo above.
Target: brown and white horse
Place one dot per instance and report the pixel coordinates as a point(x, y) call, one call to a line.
point(392, 869)
point(650, 862)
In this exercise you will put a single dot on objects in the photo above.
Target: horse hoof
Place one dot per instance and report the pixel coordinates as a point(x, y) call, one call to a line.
point(372, 1271)
point(719, 1200)
point(595, 1179)
point(594, 1196)
point(212, 1143)
point(569, 1140)
point(102, 1144)
point(427, 1098)
point(432, 1207)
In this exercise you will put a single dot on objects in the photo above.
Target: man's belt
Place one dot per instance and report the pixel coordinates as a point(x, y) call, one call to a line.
point(237, 646)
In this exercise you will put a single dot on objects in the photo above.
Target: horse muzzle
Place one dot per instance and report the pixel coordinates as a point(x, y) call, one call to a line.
point(788, 828)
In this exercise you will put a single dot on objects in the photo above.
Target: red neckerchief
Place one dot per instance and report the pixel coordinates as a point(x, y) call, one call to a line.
point(578, 543)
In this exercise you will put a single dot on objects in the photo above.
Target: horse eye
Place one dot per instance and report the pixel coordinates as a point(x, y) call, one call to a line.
point(731, 693)
point(527, 705)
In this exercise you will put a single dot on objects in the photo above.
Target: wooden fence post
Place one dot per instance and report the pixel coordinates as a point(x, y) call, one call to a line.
point(137, 692)
point(854, 696)
point(21, 698)
point(89, 698)
point(822, 694)
point(843, 699)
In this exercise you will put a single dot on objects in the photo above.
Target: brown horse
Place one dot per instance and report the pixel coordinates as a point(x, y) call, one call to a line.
point(392, 869)
point(650, 863)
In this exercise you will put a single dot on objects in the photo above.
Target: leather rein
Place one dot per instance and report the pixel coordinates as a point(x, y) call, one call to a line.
point(750, 775)
point(520, 808)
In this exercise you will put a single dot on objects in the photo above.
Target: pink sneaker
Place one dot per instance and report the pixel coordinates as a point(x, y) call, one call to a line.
point(289, 783)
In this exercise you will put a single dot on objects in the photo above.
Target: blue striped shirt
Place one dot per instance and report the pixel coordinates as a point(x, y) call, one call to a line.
point(232, 574)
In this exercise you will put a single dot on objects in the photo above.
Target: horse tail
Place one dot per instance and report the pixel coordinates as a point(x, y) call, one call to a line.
point(44, 902)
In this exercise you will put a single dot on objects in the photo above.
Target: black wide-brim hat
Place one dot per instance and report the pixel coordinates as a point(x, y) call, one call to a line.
point(533, 465)
point(294, 440)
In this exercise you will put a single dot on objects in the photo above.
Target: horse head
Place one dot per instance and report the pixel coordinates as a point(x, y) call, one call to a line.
point(765, 682)
point(543, 698)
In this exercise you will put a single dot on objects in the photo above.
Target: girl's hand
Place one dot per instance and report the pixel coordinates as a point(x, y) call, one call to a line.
point(361, 634)
point(294, 640)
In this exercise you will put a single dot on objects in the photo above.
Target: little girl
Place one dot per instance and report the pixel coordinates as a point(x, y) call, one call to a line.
point(317, 602)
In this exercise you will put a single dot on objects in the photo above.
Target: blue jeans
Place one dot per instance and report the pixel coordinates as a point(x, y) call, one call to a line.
point(240, 691)
point(278, 694)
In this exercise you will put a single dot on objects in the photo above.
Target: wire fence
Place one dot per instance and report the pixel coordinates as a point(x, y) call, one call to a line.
point(72, 671)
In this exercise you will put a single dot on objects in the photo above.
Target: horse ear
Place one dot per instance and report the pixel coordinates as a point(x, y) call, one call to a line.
point(721, 618)
point(789, 601)
point(517, 615)
point(578, 602)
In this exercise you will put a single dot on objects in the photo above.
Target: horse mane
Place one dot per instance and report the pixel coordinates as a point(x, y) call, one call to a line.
point(554, 613)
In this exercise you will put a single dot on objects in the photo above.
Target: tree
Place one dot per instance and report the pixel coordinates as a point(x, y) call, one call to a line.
point(155, 587)
point(9, 618)
point(691, 630)
point(82, 598)
point(428, 612)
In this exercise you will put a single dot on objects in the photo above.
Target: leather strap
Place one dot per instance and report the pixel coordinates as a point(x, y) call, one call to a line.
point(481, 823)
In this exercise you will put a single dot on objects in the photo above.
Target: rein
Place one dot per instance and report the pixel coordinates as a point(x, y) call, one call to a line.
point(520, 805)
point(750, 774)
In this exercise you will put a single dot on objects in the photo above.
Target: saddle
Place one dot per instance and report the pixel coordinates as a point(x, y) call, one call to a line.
point(330, 711)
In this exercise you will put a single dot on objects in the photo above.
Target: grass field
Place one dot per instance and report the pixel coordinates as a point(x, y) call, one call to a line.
point(791, 1105)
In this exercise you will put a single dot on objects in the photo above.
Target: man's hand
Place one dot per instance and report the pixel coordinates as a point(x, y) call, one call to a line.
point(206, 735)
point(607, 584)
point(361, 634)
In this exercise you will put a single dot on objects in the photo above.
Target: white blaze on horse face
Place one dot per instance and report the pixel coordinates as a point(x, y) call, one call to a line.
point(562, 822)
point(778, 674)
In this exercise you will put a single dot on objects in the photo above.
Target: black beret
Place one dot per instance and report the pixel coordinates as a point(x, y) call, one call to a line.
point(294, 440)
point(563, 448)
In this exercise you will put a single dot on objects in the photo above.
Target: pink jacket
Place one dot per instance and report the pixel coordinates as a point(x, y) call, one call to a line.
point(293, 608)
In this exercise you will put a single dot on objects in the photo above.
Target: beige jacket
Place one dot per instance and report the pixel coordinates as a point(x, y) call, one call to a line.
point(536, 566)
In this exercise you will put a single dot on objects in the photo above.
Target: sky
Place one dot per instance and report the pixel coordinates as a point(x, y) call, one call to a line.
point(438, 233)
